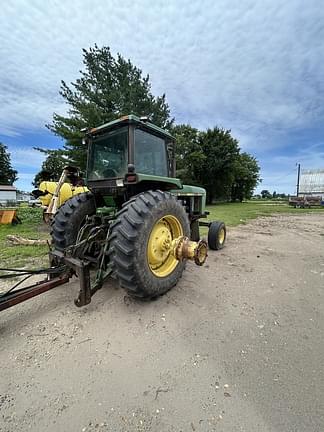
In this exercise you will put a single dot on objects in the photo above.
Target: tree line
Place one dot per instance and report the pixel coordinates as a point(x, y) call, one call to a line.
point(265, 194)
point(213, 159)
point(7, 174)
point(109, 87)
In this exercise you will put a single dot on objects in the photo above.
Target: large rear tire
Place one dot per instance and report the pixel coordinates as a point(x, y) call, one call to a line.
point(69, 219)
point(139, 241)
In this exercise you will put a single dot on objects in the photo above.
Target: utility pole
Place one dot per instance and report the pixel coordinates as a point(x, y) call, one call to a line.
point(298, 177)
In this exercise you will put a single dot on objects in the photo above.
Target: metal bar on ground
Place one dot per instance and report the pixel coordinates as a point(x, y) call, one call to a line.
point(23, 294)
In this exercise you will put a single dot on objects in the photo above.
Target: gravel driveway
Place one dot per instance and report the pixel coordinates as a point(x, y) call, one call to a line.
point(238, 345)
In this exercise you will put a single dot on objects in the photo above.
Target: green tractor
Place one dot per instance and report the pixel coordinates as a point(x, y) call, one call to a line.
point(137, 222)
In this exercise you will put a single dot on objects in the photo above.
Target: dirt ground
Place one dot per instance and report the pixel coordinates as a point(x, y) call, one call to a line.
point(238, 345)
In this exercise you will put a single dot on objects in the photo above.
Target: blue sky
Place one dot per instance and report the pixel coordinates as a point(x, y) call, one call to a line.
point(255, 67)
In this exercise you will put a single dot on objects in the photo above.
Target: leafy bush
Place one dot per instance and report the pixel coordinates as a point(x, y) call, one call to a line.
point(32, 215)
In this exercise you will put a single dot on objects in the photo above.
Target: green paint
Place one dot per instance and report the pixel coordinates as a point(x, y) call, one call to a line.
point(188, 190)
point(173, 182)
point(109, 201)
point(153, 181)
point(106, 211)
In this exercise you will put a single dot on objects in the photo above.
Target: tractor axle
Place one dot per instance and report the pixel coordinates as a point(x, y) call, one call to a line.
point(183, 248)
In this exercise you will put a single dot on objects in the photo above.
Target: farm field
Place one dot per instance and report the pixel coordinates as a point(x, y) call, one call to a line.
point(235, 346)
point(33, 227)
point(162, 216)
point(237, 213)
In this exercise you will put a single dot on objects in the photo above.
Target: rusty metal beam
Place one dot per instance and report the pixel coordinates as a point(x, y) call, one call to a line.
point(23, 294)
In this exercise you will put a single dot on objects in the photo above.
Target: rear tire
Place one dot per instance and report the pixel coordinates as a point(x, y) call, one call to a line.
point(130, 238)
point(69, 218)
point(216, 235)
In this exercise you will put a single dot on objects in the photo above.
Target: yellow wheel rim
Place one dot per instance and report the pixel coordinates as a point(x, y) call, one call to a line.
point(159, 257)
point(221, 236)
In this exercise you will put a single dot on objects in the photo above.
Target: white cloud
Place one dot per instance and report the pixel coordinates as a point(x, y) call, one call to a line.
point(26, 156)
point(243, 62)
point(24, 182)
point(280, 172)
point(27, 162)
point(254, 67)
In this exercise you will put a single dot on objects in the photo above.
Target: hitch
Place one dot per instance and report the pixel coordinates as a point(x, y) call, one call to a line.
point(71, 266)
point(76, 260)
point(81, 268)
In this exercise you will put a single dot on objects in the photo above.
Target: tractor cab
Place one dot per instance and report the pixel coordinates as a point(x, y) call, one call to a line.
point(130, 151)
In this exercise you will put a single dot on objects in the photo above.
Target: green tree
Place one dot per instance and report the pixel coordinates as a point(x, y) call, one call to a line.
point(266, 194)
point(282, 195)
point(189, 153)
point(217, 173)
point(7, 174)
point(108, 88)
point(246, 177)
point(52, 166)
point(212, 159)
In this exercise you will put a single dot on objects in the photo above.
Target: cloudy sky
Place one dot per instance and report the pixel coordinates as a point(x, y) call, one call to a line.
point(255, 67)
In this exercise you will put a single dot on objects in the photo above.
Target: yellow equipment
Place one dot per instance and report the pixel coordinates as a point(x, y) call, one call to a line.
point(67, 191)
point(53, 194)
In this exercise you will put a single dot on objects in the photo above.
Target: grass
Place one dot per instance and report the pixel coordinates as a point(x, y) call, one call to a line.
point(237, 213)
point(33, 227)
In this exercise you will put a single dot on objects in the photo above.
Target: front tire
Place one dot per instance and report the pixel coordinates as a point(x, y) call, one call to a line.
point(216, 235)
point(140, 243)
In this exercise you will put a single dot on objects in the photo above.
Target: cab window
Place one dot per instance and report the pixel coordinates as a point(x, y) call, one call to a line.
point(150, 154)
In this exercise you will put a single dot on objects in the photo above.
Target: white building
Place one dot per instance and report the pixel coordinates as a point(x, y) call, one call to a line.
point(24, 196)
point(311, 183)
point(7, 193)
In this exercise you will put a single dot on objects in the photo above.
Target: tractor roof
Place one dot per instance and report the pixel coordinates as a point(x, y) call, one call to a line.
point(131, 119)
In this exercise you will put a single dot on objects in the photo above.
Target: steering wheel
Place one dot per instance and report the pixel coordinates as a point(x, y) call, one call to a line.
point(110, 172)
